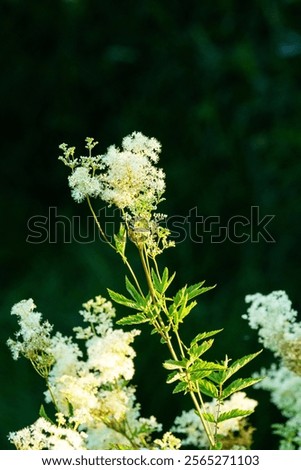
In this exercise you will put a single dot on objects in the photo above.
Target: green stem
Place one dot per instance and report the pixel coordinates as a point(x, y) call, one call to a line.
point(200, 413)
point(98, 224)
point(218, 409)
point(158, 323)
point(147, 273)
point(113, 247)
point(195, 402)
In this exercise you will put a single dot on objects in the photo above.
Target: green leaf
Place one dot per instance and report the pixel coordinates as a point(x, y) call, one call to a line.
point(204, 335)
point(209, 417)
point(185, 310)
point(199, 364)
point(197, 351)
point(156, 281)
point(180, 307)
point(239, 363)
point(120, 240)
point(43, 414)
point(121, 299)
point(166, 281)
point(170, 364)
point(218, 445)
point(180, 387)
point(70, 408)
point(235, 413)
point(199, 374)
point(173, 376)
point(140, 300)
point(237, 385)
point(162, 285)
point(208, 388)
point(133, 319)
point(197, 289)
point(218, 376)
point(179, 298)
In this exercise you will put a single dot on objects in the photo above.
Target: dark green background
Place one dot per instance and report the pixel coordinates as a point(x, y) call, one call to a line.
point(218, 83)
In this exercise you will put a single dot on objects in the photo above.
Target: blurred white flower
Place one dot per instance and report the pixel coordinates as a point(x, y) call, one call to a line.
point(274, 318)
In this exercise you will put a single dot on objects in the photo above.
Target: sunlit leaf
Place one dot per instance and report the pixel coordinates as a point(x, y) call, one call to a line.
point(208, 388)
point(121, 299)
point(237, 385)
point(204, 335)
point(180, 387)
point(235, 413)
point(238, 364)
point(170, 364)
point(133, 319)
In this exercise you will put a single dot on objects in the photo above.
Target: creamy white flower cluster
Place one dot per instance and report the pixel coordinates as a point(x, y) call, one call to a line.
point(45, 435)
point(285, 388)
point(279, 331)
point(33, 340)
point(95, 406)
point(274, 318)
point(126, 177)
point(188, 423)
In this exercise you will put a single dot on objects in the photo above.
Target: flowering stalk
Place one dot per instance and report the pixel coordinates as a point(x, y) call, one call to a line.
point(129, 179)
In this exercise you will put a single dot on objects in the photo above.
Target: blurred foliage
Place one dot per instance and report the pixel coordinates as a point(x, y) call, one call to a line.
point(218, 83)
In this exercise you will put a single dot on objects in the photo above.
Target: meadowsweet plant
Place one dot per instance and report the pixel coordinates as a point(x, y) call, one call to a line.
point(278, 329)
point(92, 397)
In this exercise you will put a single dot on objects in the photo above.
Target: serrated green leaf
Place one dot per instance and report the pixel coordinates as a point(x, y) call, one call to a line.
point(208, 388)
point(235, 413)
point(197, 351)
point(183, 312)
point(217, 376)
point(161, 285)
point(170, 364)
point(166, 281)
point(197, 289)
point(199, 364)
point(204, 335)
point(179, 298)
point(173, 376)
point(165, 277)
point(180, 387)
point(199, 374)
point(237, 385)
point(133, 319)
point(238, 364)
point(121, 299)
point(156, 281)
point(209, 417)
point(140, 300)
